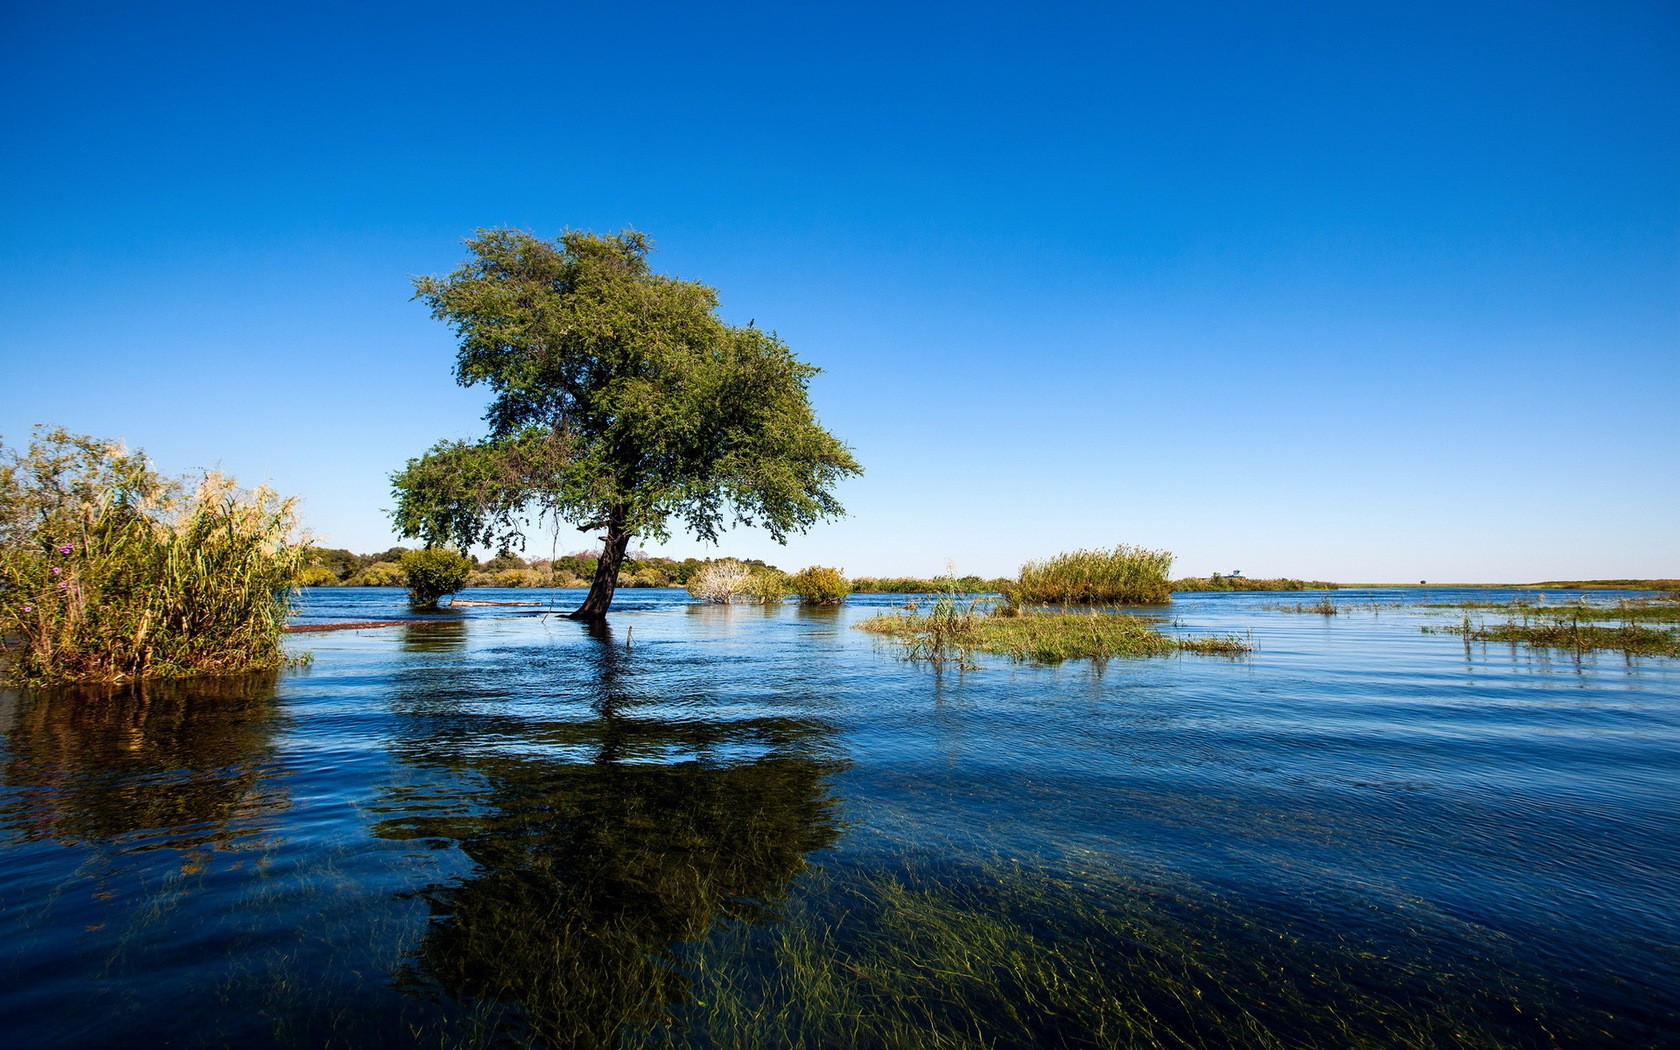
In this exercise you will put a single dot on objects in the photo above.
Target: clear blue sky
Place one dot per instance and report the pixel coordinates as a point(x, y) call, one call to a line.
point(1355, 292)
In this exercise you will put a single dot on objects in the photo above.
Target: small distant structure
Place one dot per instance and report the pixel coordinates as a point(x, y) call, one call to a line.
point(1235, 574)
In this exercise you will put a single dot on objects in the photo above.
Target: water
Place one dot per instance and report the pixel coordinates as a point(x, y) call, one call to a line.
point(745, 826)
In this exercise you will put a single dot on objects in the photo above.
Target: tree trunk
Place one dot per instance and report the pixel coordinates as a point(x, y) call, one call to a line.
point(606, 574)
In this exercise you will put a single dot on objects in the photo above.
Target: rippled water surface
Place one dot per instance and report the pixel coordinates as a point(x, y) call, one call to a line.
point(747, 826)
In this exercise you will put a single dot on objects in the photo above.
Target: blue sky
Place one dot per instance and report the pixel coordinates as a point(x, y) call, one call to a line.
point(1307, 290)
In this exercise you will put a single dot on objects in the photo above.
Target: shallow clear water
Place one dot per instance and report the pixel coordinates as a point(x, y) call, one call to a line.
point(703, 824)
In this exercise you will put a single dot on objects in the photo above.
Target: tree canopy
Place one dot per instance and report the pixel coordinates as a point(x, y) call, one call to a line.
point(620, 400)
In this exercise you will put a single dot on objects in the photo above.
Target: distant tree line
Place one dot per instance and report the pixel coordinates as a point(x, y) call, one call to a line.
point(926, 585)
point(1216, 582)
point(325, 567)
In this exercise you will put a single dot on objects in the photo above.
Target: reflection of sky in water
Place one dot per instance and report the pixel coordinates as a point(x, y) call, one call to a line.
point(418, 792)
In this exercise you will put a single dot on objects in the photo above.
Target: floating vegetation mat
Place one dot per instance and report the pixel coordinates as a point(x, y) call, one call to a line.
point(1322, 607)
point(952, 632)
point(1574, 633)
point(1652, 610)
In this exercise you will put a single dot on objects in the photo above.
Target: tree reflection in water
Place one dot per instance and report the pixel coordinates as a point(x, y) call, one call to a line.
point(601, 845)
point(161, 764)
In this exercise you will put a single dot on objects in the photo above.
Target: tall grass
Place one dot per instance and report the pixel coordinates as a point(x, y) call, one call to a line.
point(111, 573)
point(1123, 575)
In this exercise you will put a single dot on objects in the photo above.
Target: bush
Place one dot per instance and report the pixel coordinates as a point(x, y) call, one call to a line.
point(720, 581)
point(518, 578)
point(768, 587)
point(818, 585)
point(434, 572)
point(110, 572)
point(1121, 576)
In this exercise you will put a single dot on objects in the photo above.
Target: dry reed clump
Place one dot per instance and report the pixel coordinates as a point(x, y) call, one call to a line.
point(111, 573)
point(1122, 575)
point(720, 581)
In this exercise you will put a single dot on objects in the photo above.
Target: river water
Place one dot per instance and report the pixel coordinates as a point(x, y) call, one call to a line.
point(743, 826)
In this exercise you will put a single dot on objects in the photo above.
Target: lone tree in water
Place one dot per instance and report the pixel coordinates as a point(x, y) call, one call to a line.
point(620, 402)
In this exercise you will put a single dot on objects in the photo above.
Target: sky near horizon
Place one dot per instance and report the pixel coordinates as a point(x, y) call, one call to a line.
point(1330, 291)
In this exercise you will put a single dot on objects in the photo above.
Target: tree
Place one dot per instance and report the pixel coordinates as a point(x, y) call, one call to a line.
point(620, 400)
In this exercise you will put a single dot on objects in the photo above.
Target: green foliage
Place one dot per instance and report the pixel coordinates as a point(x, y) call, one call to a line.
point(380, 574)
point(818, 585)
point(317, 576)
point(620, 400)
point(110, 572)
point(434, 572)
point(1124, 575)
point(768, 586)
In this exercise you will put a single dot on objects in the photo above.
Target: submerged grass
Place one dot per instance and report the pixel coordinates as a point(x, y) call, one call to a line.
point(952, 631)
point(1323, 607)
point(1012, 955)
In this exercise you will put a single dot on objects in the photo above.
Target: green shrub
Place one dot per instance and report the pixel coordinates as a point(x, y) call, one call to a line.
point(518, 578)
point(768, 587)
point(317, 576)
point(819, 585)
point(1122, 576)
point(434, 572)
point(110, 572)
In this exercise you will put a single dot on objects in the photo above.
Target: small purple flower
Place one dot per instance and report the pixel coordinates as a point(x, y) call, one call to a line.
point(67, 548)
point(57, 570)
point(29, 608)
point(62, 585)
